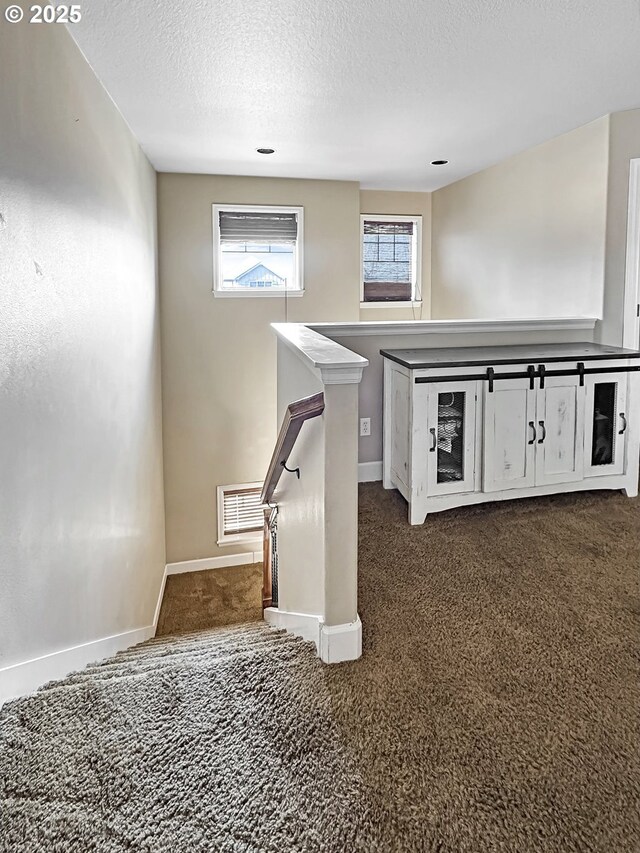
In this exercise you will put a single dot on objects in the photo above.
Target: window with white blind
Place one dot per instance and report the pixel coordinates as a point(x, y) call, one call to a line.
point(391, 248)
point(257, 250)
point(240, 513)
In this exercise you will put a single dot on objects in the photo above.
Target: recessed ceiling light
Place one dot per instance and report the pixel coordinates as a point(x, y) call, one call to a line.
point(439, 162)
point(266, 150)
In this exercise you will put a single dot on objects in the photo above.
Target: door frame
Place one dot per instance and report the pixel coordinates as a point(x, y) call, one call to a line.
point(631, 320)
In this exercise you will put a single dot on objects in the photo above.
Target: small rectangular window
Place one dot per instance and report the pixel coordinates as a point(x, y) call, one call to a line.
point(257, 250)
point(391, 247)
point(240, 513)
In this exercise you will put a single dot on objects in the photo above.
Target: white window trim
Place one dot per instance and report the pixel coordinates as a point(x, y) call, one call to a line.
point(416, 285)
point(234, 538)
point(415, 304)
point(298, 259)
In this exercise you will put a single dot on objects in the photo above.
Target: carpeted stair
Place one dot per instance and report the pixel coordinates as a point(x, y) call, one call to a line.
point(156, 748)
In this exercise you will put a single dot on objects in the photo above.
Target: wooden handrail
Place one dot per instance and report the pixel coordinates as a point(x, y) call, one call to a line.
point(297, 413)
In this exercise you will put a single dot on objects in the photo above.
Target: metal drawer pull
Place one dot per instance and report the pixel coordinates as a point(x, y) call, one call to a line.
point(434, 442)
point(624, 423)
point(533, 427)
point(544, 432)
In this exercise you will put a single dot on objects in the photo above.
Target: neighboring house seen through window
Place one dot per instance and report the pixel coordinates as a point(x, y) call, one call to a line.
point(258, 250)
point(391, 247)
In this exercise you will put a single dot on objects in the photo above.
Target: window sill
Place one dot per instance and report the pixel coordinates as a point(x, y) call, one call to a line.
point(391, 304)
point(252, 538)
point(241, 294)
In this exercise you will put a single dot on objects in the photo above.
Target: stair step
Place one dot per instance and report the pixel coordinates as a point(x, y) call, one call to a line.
point(281, 652)
point(205, 654)
point(174, 640)
point(207, 638)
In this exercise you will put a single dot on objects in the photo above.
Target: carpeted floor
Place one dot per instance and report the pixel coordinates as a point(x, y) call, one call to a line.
point(196, 600)
point(496, 708)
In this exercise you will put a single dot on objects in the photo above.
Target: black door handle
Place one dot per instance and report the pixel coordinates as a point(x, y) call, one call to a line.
point(535, 434)
point(434, 440)
point(624, 424)
point(544, 432)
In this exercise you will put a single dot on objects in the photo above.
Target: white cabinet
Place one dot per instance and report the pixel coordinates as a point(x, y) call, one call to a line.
point(458, 434)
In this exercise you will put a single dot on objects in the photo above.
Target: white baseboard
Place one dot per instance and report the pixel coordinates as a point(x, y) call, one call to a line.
point(23, 678)
point(156, 615)
point(301, 624)
point(214, 562)
point(341, 642)
point(369, 472)
point(334, 643)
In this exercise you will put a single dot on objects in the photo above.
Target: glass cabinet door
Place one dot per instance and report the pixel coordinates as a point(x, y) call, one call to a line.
point(605, 424)
point(451, 437)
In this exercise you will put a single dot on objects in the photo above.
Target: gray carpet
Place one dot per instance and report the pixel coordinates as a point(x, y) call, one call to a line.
point(496, 708)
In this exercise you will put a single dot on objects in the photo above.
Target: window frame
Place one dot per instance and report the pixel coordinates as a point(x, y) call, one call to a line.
point(416, 284)
point(234, 538)
point(244, 292)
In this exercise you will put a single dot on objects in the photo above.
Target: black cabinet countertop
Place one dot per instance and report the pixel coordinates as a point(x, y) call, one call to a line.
point(427, 357)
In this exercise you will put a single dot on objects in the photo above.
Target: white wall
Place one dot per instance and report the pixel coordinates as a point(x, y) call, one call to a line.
point(81, 496)
point(525, 238)
point(301, 502)
point(624, 145)
point(318, 513)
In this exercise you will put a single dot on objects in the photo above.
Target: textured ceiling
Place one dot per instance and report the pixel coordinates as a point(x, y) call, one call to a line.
point(365, 90)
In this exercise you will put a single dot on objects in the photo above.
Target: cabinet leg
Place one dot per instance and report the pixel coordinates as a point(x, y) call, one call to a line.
point(417, 514)
point(386, 474)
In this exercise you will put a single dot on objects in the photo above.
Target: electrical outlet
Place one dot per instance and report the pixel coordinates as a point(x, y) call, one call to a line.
point(365, 426)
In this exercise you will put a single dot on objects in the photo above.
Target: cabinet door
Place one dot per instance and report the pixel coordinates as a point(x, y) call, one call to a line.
point(508, 435)
point(560, 428)
point(451, 422)
point(605, 424)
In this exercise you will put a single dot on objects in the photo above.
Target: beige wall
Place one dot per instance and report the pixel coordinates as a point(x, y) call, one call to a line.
point(402, 204)
point(219, 355)
point(525, 238)
point(624, 145)
point(81, 504)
